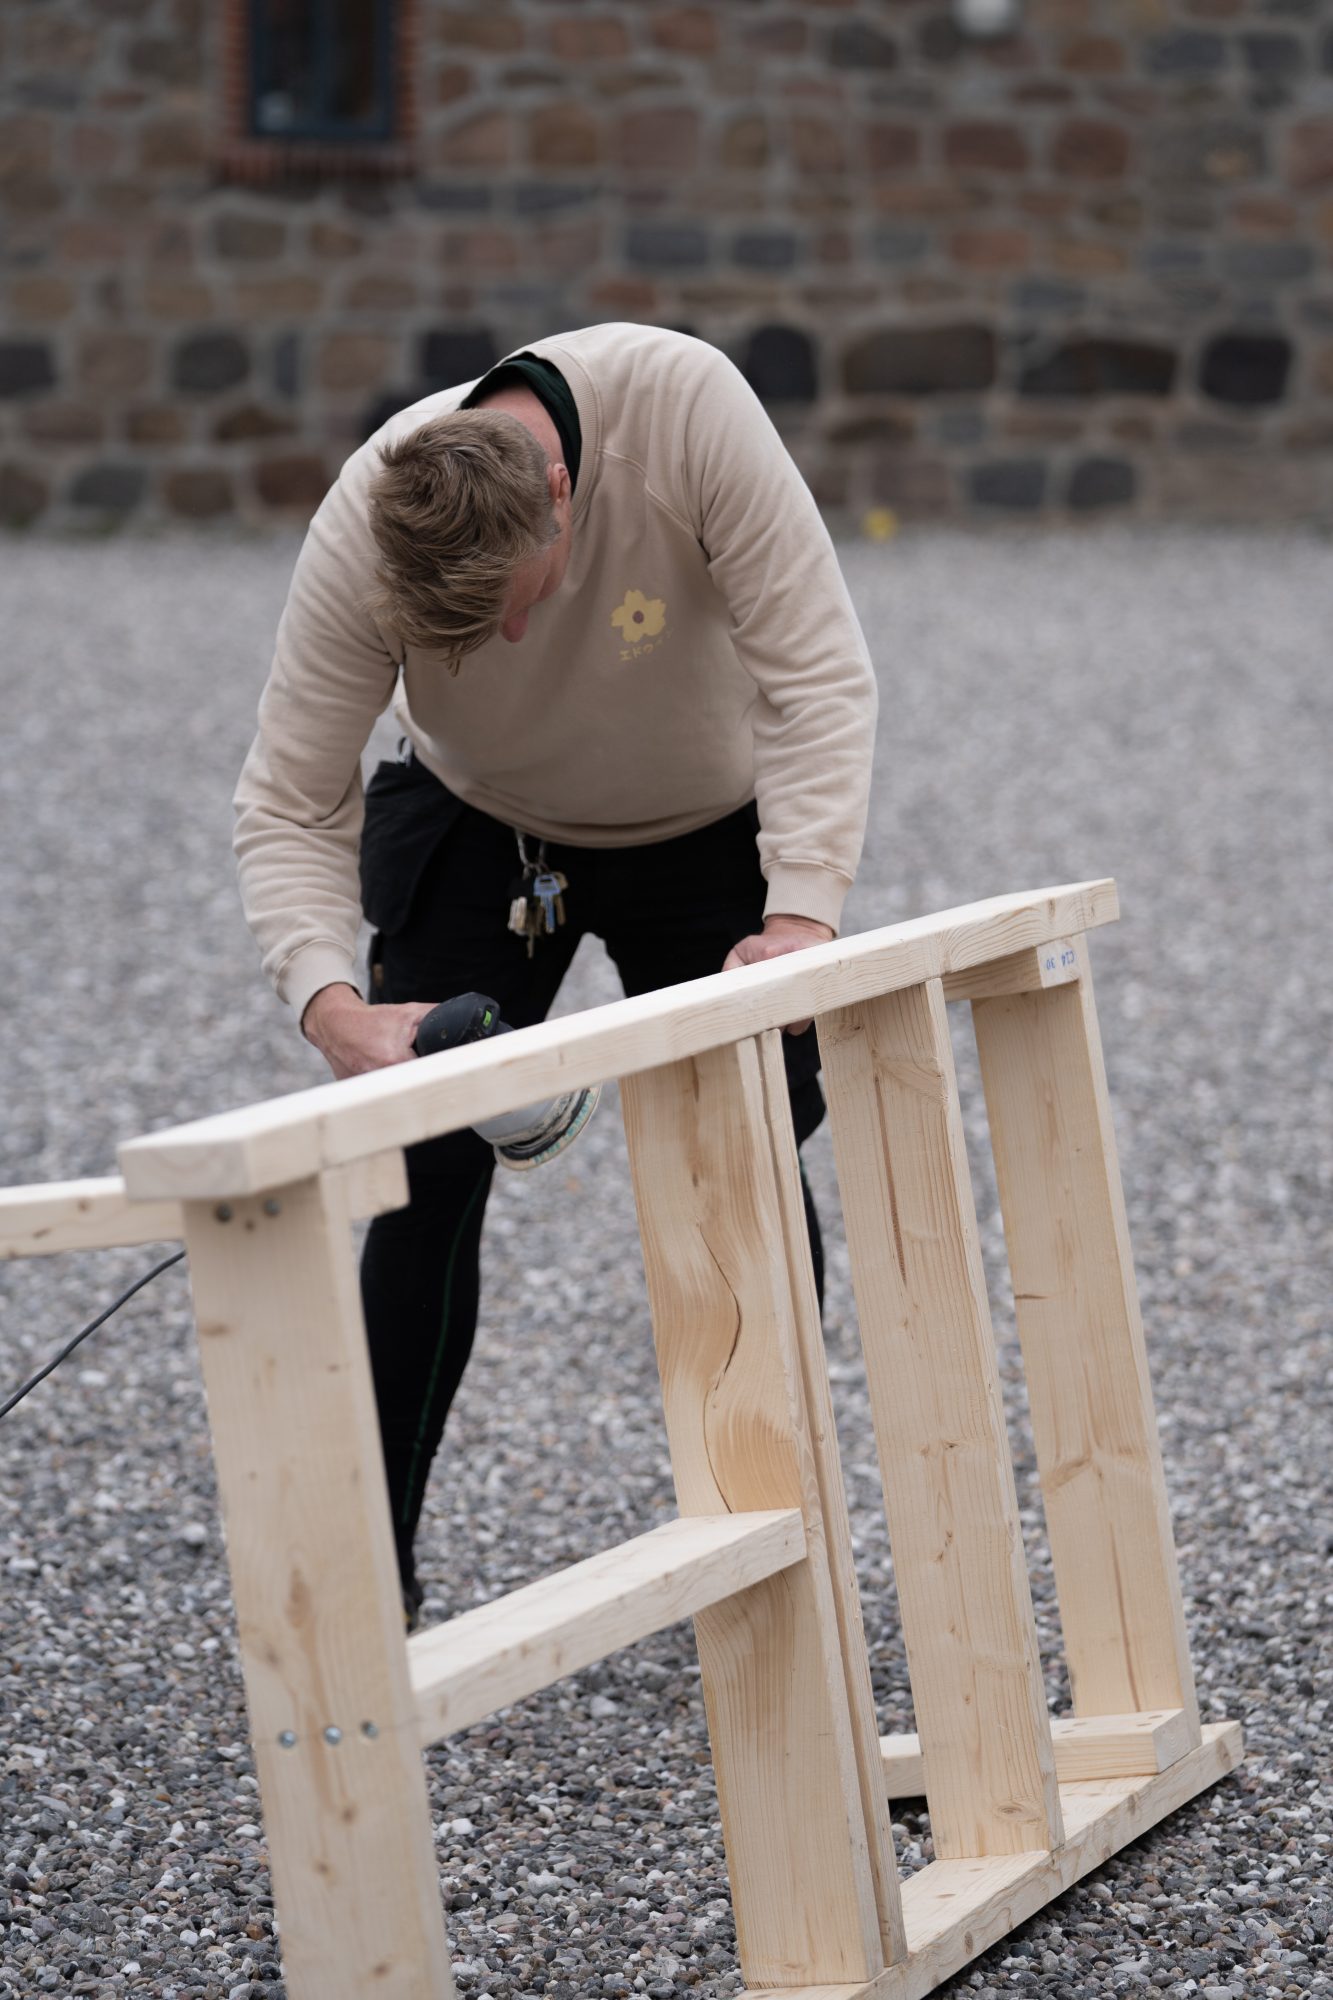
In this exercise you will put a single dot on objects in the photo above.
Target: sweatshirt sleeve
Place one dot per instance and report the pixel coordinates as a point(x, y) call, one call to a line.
point(299, 803)
point(796, 633)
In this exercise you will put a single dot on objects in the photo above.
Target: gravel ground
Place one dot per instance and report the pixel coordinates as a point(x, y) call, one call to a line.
point(1153, 706)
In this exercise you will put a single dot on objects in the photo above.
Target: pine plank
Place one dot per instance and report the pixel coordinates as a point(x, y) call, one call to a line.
point(773, 1683)
point(315, 1583)
point(1097, 1746)
point(837, 1528)
point(501, 1652)
point(955, 1910)
point(1040, 966)
point(290, 1137)
point(1093, 1422)
point(959, 1566)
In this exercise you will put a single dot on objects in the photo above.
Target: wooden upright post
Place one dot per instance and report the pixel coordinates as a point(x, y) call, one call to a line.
point(958, 1555)
point(315, 1583)
point(803, 1888)
point(1082, 1336)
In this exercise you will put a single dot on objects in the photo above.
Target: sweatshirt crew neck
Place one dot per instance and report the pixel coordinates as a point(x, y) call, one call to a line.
point(530, 371)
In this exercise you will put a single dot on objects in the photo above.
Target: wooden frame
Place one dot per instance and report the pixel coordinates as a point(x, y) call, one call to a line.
point(1021, 1803)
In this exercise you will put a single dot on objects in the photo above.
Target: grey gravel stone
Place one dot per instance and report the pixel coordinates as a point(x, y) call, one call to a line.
point(1149, 704)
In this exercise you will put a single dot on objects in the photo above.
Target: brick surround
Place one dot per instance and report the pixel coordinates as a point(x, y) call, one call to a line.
point(1084, 269)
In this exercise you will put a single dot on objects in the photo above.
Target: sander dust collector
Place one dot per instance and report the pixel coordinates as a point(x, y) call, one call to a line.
point(533, 1134)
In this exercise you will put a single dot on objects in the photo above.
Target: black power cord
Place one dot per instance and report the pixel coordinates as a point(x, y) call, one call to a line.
point(91, 1327)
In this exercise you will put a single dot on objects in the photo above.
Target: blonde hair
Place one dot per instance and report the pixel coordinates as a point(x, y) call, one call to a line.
point(455, 509)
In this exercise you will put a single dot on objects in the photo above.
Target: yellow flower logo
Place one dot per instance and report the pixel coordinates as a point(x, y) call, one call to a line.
point(639, 617)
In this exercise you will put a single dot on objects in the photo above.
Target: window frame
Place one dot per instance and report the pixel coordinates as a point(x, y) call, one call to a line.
point(246, 155)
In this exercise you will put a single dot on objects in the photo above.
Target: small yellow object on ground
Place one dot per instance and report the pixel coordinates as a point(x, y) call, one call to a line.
point(879, 524)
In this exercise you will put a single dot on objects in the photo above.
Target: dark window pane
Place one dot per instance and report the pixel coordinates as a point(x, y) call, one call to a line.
point(321, 69)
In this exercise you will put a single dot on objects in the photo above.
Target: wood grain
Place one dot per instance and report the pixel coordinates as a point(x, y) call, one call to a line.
point(773, 1682)
point(315, 1583)
point(1083, 1349)
point(958, 1558)
point(291, 1137)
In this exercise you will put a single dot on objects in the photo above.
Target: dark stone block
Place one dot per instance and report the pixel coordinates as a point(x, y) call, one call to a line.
point(764, 249)
point(1188, 52)
point(921, 361)
point(1270, 55)
point(206, 363)
point(1246, 369)
point(857, 45)
point(1102, 482)
point(110, 489)
point(456, 354)
point(1101, 367)
point(961, 427)
point(26, 367)
point(1017, 483)
point(549, 197)
point(388, 405)
point(1173, 260)
point(1267, 263)
point(1208, 152)
point(287, 366)
point(453, 197)
point(899, 244)
point(23, 496)
point(941, 40)
point(1040, 296)
point(780, 365)
point(666, 246)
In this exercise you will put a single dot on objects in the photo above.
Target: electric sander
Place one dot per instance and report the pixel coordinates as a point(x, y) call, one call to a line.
point(533, 1134)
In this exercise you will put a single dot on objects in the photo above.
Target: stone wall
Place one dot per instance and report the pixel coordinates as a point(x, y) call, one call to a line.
point(1082, 267)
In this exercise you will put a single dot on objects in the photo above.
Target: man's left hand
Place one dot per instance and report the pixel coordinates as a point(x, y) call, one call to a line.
point(779, 936)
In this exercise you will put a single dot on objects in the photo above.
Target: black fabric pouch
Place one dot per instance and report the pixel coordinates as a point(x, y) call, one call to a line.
point(408, 814)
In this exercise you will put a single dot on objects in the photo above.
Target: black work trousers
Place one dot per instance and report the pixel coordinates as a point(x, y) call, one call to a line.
point(436, 883)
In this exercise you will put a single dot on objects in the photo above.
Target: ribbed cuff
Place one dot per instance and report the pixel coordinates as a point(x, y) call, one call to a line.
point(796, 891)
point(316, 965)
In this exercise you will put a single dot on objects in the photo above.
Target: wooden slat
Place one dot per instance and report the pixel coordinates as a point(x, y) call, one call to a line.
point(1082, 1337)
point(39, 1220)
point(82, 1215)
point(501, 1652)
point(837, 1527)
point(315, 1583)
point(1100, 1746)
point(959, 1567)
point(1054, 964)
point(291, 1137)
point(956, 1910)
point(773, 1683)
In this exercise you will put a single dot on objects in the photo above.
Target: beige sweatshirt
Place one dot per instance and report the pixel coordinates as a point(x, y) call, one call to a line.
point(701, 650)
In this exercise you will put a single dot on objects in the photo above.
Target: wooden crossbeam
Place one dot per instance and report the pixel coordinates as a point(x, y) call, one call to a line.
point(1092, 1746)
point(99, 1214)
point(501, 1652)
point(290, 1137)
point(955, 1910)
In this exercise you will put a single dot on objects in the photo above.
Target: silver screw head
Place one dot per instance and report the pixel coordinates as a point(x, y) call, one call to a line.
point(223, 1211)
point(272, 1206)
point(370, 1729)
point(333, 1734)
point(287, 1738)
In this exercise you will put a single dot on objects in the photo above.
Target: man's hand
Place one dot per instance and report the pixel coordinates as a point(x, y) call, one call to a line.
point(354, 1037)
point(779, 936)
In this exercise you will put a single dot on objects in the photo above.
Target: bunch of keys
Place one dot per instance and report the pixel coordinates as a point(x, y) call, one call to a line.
point(537, 901)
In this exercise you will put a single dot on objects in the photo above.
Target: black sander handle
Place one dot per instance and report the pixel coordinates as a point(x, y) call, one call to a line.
point(470, 1017)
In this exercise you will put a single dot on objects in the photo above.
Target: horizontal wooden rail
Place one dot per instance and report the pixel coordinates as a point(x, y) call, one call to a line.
point(291, 1138)
point(1086, 1746)
point(497, 1654)
point(50, 1216)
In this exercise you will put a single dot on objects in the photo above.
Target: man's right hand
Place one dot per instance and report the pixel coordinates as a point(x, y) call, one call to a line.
point(354, 1037)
